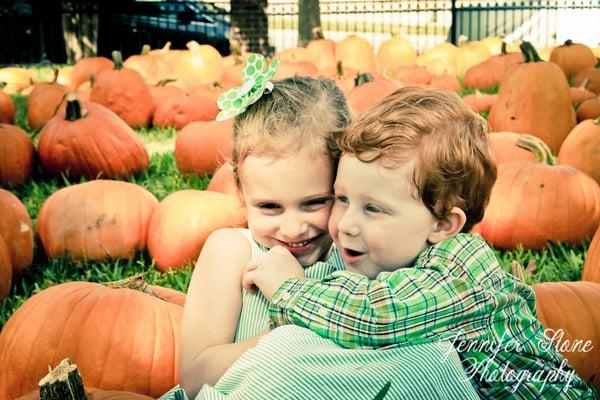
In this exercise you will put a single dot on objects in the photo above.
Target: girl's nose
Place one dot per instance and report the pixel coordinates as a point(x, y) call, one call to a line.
point(293, 228)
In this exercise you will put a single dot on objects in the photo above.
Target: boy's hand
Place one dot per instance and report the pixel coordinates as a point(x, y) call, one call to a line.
point(270, 271)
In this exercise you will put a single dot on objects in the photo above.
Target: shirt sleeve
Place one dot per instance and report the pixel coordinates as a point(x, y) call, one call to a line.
point(407, 305)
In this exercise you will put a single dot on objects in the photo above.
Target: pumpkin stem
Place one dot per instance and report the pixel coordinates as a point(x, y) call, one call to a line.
point(339, 69)
point(55, 77)
point(192, 45)
point(117, 59)
point(62, 382)
point(503, 48)
point(527, 47)
point(540, 149)
point(3, 85)
point(585, 83)
point(74, 109)
point(165, 82)
point(166, 47)
point(236, 48)
point(597, 121)
point(135, 282)
point(361, 79)
point(145, 50)
point(317, 33)
point(568, 42)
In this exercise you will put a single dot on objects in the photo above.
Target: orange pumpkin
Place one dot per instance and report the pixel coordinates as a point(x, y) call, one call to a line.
point(534, 202)
point(16, 79)
point(183, 221)
point(7, 107)
point(152, 69)
point(89, 67)
point(182, 110)
point(43, 102)
point(534, 99)
point(365, 95)
point(579, 94)
point(18, 160)
point(288, 69)
point(480, 102)
point(163, 91)
point(120, 338)
point(511, 146)
point(201, 147)
point(91, 142)
point(5, 270)
point(344, 77)
point(573, 58)
point(95, 220)
point(232, 74)
point(223, 180)
point(357, 53)
point(489, 73)
point(592, 75)
point(589, 109)
point(125, 92)
point(447, 82)
point(591, 267)
point(569, 311)
point(581, 148)
point(412, 76)
point(16, 229)
point(97, 394)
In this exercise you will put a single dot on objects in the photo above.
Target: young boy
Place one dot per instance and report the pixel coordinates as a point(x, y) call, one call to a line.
point(414, 176)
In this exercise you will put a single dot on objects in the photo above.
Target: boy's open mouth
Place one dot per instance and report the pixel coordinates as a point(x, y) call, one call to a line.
point(351, 256)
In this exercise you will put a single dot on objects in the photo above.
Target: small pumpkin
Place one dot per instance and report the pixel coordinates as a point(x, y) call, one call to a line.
point(183, 221)
point(321, 50)
point(95, 220)
point(536, 202)
point(579, 94)
point(480, 102)
point(344, 77)
point(17, 161)
point(16, 79)
point(569, 312)
point(124, 91)
point(412, 75)
point(89, 140)
point(163, 91)
point(581, 148)
point(447, 82)
point(182, 110)
point(43, 102)
point(7, 107)
point(17, 231)
point(592, 75)
point(199, 65)
point(201, 147)
point(5, 270)
point(573, 58)
point(489, 73)
point(369, 91)
point(534, 99)
point(288, 69)
point(589, 109)
point(591, 267)
point(223, 180)
point(395, 53)
point(357, 53)
point(152, 69)
point(89, 67)
point(134, 333)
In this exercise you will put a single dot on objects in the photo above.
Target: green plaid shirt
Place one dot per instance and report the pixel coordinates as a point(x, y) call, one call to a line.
point(455, 291)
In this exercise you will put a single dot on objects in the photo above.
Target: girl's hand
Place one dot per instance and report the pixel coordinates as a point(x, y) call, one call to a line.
point(271, 271)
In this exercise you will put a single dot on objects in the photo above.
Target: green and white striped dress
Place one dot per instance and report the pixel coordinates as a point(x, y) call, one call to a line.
point(295, 363)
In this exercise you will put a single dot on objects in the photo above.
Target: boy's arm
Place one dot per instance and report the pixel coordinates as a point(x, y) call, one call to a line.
point(409, 304)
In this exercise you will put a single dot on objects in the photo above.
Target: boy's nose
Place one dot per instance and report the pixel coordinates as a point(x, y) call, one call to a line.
point(348, 226)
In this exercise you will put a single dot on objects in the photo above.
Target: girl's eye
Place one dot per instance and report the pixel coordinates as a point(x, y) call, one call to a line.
point(317, 202)
point(372, 209)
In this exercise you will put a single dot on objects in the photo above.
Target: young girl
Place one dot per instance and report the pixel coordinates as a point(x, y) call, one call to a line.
point(284, 164)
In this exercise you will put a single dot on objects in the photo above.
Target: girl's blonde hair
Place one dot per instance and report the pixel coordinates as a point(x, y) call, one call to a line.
point(301, 114)
point(455, 165)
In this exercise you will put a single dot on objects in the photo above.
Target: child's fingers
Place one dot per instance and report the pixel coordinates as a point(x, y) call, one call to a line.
point(250, 267)
point(248, 281)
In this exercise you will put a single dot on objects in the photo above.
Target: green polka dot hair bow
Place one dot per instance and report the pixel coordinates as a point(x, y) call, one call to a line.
point(256, 82)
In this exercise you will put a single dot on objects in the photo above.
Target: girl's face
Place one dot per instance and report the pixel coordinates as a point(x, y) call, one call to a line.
point(289, 201)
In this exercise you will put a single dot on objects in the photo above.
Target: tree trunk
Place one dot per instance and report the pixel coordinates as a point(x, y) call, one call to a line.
point(80, 29)
point(249, 26)
point(309, 17)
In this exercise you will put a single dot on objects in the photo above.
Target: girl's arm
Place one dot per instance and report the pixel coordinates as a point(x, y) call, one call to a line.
point(211, 312)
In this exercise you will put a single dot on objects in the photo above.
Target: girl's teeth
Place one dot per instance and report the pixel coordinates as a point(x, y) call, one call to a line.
point(298, 244)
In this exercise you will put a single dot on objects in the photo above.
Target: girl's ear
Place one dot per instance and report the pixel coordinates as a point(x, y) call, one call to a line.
point(449, 226)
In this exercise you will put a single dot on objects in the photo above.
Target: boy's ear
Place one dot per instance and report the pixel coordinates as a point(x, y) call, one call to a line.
point(449, 226)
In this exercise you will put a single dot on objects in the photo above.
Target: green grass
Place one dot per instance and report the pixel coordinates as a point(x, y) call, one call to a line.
point(559, 262)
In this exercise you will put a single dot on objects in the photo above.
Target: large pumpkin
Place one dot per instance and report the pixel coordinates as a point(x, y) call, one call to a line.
point(16, 228)
point(95, 220)
point(395, 53)
point(88, 68)
point(201, 147)
point(125, 92)
point(121, 339)
point(7, 107)
point(17, 159)
point(569, 311)
point(89, 140)
point(184, 219)
point(581, 148)
point(178, 111)
point(573, 58)
point(534, 202)
point(534, 99)
point(5, 270)
point(591, 268)
point(511, 146)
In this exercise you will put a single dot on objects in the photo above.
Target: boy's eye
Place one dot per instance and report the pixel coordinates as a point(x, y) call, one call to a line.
point(342, 199)
point(268, 206)
point(372, 209)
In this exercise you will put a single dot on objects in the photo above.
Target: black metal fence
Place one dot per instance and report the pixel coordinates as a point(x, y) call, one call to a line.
point(34, 31)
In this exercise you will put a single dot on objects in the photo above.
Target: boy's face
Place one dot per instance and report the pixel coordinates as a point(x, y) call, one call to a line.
point(376, 222)
point(289, 203)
